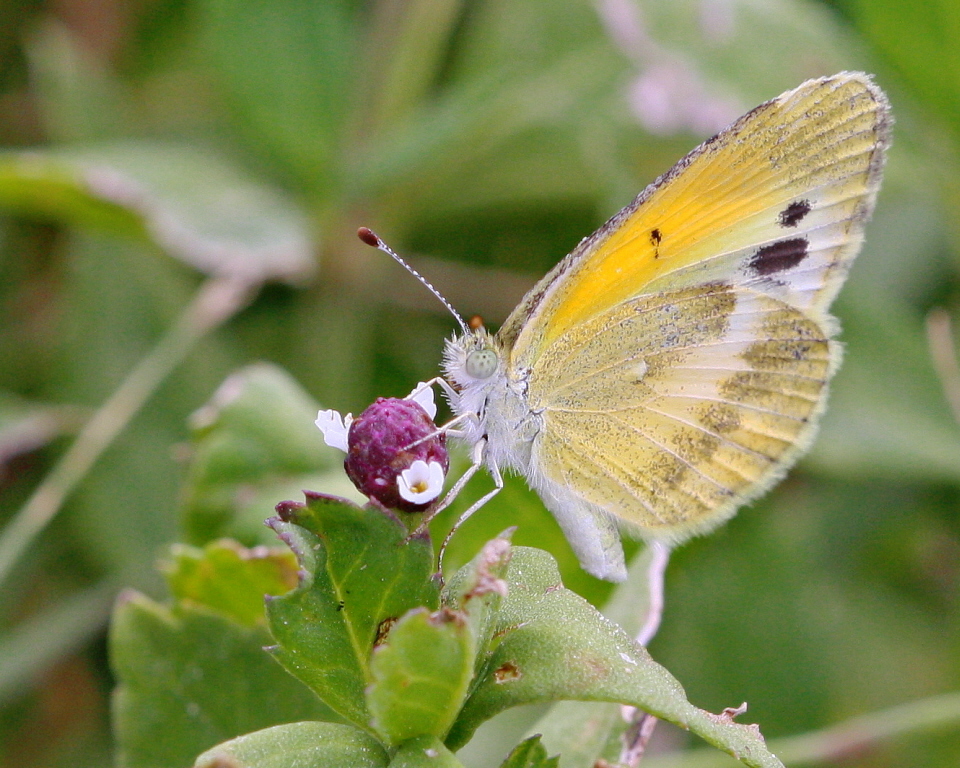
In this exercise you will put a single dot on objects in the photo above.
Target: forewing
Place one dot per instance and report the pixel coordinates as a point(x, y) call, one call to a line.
point(776, 203)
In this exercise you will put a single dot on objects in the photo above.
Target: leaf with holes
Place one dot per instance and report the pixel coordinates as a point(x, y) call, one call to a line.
point(554, 645)
point(421, 673)
point(358, 573)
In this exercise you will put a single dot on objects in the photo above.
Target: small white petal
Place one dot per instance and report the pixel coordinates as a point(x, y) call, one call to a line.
point(422, 395)
point(421, 482)
point(334, 428)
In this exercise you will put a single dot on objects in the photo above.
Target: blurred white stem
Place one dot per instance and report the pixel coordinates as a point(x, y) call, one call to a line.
point(218, 299)
point(943, 351)
point(641, 726)
point(635, 739)
point(660, 557)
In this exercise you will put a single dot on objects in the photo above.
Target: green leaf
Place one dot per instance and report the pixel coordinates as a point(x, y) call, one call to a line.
point(890, 418)
point(411, 49)
point(918, 40)
point(497, 133)
point(359, 572)
point(304, 745)
point(230, 579)
point(256, 431)
point(285, 68)
point(191, 202)
point(583, 732)
point(530, 753)
point(477, 590)
point(47, 186)
point(421, 673)
point(424, 752)
point(314, 642)
point(189, 679)
point(553, 645)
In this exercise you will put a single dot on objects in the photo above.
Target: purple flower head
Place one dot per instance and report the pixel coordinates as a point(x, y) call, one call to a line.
point(384, 460)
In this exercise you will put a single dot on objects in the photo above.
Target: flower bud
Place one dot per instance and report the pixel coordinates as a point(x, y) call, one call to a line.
point(384, 464)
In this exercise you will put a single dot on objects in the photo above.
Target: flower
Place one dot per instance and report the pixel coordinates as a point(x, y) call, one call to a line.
point(422, 482)
point(423, 395)
point(334, 428)
point(395, 453)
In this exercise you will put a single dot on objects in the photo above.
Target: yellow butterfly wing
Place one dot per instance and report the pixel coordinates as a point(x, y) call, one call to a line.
point(678, 358)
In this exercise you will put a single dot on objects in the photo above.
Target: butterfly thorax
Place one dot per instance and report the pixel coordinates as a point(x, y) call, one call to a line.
point(491, 397)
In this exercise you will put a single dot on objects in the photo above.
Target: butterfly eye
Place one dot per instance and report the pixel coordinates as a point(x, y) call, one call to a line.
point(481, 363)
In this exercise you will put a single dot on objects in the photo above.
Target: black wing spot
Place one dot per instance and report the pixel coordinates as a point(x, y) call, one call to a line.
point(656, 236)
point(794, 213)
point(780, 256)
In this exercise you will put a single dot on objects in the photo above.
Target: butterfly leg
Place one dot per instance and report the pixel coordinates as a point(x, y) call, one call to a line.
point(445, 429)
point(439, 381)
point(498, 486)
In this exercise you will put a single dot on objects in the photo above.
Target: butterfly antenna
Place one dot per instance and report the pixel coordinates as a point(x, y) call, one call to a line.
point(369, 237)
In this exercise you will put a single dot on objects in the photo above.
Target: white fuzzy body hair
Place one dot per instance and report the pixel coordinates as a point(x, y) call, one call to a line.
point(495, 410)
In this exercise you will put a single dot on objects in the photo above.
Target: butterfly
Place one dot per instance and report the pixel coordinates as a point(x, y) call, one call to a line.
point(675, 364)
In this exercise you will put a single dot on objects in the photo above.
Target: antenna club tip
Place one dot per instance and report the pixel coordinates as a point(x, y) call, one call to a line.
point(369, 237)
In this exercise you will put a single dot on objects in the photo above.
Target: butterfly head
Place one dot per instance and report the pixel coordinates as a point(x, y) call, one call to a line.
point(471, 360)
point(473, 366)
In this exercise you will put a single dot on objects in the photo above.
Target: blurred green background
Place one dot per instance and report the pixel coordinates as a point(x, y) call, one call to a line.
point(155, 149)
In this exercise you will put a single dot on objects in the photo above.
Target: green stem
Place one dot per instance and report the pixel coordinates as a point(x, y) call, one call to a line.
point(836, 742)
point(839, 741)
point(218, 299)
